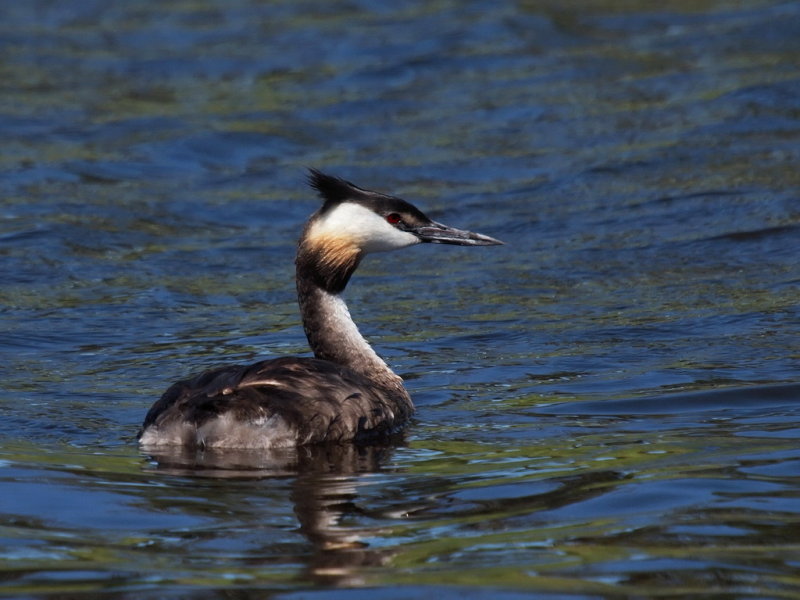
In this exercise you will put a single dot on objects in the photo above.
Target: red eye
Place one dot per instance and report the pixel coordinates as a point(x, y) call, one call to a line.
point(393, 218)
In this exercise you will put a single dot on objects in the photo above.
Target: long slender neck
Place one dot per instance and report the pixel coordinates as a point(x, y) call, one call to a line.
point(330, 329)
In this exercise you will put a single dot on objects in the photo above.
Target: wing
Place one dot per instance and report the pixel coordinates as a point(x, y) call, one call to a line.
point(273, 403)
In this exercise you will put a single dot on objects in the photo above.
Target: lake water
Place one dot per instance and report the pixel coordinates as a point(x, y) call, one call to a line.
point(608, 406)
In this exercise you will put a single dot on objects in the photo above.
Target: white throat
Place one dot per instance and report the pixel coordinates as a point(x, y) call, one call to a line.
point(335, 308)
point(334, 336)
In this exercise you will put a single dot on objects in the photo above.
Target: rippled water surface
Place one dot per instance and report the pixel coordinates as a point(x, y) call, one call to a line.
point(608, 406)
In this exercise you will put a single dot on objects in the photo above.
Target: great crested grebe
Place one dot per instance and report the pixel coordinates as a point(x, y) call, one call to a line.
point(346, 392)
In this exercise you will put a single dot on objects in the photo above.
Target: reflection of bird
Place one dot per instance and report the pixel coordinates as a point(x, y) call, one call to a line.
point(346, 392)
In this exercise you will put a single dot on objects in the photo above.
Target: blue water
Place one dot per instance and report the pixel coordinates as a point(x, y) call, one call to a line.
point(608, 406)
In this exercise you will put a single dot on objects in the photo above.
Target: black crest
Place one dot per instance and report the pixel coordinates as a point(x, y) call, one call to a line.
point(333, 189)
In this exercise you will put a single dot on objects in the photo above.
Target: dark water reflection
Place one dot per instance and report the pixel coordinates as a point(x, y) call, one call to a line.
point(608, 405)
point(324, 484)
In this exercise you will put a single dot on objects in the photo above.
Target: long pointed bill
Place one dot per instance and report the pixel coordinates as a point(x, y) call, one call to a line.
point(436, 233)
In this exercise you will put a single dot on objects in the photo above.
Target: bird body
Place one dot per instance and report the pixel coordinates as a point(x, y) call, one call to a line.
point(346, 392)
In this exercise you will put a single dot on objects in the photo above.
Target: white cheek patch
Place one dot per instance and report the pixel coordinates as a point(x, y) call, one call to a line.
point(367, 230)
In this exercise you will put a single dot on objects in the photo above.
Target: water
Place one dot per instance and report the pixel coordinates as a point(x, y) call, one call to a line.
point(608, 406)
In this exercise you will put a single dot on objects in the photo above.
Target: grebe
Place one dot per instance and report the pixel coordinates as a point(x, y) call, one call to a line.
point(347, 392)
